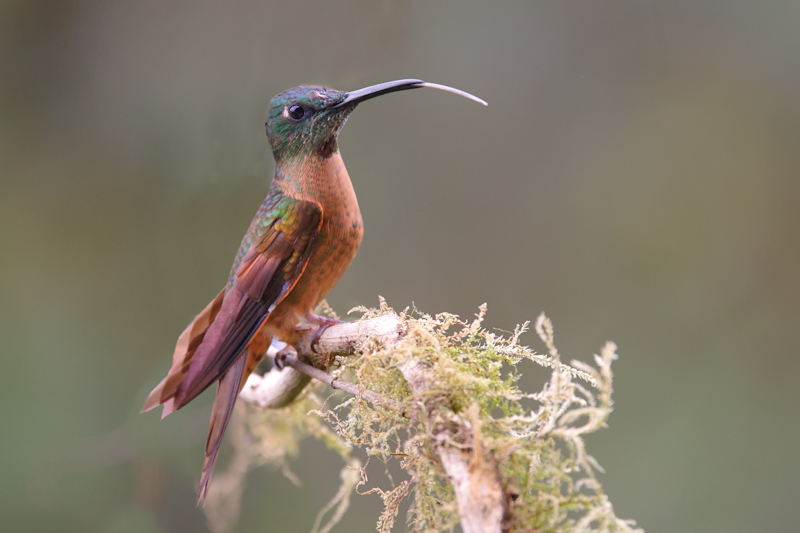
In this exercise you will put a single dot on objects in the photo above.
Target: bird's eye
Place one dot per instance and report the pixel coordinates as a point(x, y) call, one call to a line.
point(297, 112)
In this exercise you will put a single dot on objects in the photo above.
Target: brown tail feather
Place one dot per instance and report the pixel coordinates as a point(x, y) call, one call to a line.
point(224, 402)
point(223, 407)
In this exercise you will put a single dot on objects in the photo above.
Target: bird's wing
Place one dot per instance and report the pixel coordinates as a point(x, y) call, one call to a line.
point(185, 348)
point(274, 254)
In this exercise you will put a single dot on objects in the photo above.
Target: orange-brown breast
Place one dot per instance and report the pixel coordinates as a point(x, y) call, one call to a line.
point(327, 183)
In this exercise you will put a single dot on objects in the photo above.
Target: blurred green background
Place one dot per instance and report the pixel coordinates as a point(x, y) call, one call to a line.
point(636, 176)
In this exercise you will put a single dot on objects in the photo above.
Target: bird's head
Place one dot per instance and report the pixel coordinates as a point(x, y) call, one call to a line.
point(306, 120)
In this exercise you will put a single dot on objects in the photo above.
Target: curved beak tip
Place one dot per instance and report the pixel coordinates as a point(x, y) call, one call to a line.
point(453, 90)
point(356, 97)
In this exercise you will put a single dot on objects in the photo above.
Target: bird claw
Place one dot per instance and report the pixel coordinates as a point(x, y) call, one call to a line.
point(283, 353)
point(325, 323)
point(280, 357)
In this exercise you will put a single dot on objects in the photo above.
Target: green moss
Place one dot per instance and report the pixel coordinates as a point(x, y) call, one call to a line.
point(548, 476)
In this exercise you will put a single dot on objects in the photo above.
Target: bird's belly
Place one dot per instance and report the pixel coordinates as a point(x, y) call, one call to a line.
point(327, 264)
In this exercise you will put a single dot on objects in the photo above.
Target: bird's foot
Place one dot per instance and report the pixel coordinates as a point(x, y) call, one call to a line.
point(324, 323)
point(280, 357)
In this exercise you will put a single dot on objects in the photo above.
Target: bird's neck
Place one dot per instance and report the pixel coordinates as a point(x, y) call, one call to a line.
point(323, 180)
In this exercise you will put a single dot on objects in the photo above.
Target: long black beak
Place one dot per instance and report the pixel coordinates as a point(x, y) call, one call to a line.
point(356, 97)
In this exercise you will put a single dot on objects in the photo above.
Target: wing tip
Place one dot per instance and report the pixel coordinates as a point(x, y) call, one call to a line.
point(154, 400)
point(169, 408)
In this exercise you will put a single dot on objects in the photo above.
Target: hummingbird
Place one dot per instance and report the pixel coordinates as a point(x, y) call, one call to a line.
point(301, 241)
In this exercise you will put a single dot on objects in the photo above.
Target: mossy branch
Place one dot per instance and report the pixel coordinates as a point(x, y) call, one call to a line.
point(447, 406)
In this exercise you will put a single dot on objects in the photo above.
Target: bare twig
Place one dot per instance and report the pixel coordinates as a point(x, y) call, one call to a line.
point(275, 388)
point(340, 384)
